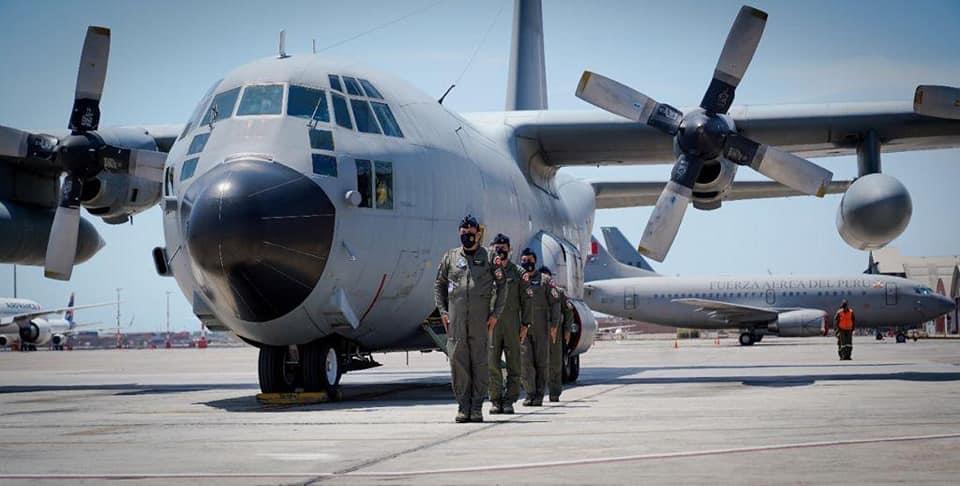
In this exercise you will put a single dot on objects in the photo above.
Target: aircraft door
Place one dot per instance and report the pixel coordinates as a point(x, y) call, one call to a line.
point(771, 297)
point(891, 293)
point(629, 298)
point(563, 259)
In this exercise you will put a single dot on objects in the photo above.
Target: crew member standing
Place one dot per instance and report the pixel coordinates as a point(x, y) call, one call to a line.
point(845, 322)
point(558, 342)
point(505, 339)
point(536, 335)
point(469, 297)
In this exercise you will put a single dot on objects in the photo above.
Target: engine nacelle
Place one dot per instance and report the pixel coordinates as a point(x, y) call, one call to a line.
point(119, 192)
point(712, 184)
point(8, 340)
point(26, 229)
point(36, 332)
point(800, 323)
point(875, 209)
point(585, 331)
point(58, 339)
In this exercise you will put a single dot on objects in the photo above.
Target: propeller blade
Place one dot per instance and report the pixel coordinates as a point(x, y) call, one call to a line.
point(783, 167)
point(937, 101)
point(62, 244)
point(668, 213)
point(13, 142)
point(627, 102)
point(741, 44)
point(91, 75)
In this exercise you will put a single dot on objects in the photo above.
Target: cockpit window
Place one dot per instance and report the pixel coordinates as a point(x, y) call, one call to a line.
point(341, 111)
point(308, 103)
point(923, 290)
point(353, 87)
point(266, 99)
point(387, 121)
point(222, 106)
point(198, 111)
point(371, 91)
point(364, 116)
point(335, 82)
point(198, 143)
point(188, 169)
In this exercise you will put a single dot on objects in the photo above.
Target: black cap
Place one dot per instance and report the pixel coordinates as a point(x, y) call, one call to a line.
point(528, 252)
point(469, 221)
point(501, 239)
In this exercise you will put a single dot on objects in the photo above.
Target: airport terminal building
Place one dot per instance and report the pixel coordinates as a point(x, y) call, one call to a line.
point(941, 273)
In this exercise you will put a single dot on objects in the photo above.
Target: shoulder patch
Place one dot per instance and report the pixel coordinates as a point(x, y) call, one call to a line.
point(498, 274)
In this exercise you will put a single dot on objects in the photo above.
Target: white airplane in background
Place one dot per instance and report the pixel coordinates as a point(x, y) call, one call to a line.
point(25, 321)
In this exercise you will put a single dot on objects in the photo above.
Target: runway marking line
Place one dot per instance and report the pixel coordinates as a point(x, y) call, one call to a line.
point(462, 470)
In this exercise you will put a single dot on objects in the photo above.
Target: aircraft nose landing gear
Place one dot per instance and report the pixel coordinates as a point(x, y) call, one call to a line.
point(311, 367)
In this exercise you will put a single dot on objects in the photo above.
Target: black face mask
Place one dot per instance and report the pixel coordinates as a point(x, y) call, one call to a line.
point(502, 255)
point(528, 266)
point(468, 240)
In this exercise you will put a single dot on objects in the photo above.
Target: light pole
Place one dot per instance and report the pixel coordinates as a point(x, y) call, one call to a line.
point(169, 344)
point(119, 339)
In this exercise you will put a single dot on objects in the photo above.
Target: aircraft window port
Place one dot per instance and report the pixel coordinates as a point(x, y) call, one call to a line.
point(189, 167)
point(308, 103)
point(341, 111)
point(335, 82)
point(325, 165)
point(384, 186)
point(365, 183)
point(168, 190)
point(387, 121)
point(266, 99)
point(353, 87)
point(371, 91)
point(321, 139)
point(222, 106)
point(197, 144)
point(363, 115)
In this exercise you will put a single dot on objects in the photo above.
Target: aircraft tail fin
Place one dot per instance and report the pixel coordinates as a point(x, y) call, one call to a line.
point(622, 250)
point(601, 266)
point(527, 81)
point(68, 315)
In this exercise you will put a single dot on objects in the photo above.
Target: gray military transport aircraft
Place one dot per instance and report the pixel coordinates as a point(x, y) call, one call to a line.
point(788, 306)
point(307, 201)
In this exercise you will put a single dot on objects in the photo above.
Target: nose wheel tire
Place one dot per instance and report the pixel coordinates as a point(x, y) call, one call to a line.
point(571, 369)
point(322, 368)
point(901, 337)
point(746, 339)
point(279, 369)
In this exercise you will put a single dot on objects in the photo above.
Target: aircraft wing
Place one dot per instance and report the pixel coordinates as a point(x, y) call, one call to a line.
point(7, 320)
point(617, 194)
point(731, 312)
point(570, 138)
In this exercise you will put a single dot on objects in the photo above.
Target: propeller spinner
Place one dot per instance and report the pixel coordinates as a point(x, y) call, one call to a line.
point(703, 134)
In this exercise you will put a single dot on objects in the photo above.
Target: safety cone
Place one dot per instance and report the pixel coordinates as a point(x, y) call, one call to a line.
point(676, 343)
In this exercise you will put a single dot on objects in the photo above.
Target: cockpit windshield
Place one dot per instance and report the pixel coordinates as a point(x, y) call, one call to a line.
point(923, 290)
point(222, 106)
point(266, 99)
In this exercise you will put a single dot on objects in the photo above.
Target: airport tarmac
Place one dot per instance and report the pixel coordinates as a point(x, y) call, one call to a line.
point(782, 411)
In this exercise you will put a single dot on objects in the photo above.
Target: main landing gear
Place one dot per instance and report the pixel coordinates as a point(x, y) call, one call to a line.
point(748, 338)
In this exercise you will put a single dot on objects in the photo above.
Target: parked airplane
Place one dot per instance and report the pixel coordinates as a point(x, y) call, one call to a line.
point(27, 323)
point(307, 201)
point(794, 305)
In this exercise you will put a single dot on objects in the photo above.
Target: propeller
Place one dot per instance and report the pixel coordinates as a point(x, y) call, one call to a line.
point(82, 155)
point(704, 134)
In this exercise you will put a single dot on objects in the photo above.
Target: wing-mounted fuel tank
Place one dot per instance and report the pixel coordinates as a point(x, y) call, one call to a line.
point(874, 211)
point(26, 230)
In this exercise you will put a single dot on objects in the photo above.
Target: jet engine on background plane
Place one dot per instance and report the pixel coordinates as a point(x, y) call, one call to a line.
point(799, 323)
point(37, 332)
point(874, 211)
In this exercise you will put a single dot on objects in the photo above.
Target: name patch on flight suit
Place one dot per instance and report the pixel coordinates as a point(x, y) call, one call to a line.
point(462, 263)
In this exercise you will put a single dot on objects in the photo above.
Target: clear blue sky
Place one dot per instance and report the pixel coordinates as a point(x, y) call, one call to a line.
point(165, 54)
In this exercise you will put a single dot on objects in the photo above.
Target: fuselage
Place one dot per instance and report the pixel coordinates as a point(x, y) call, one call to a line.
point(286, 228)
point(877, 300)
point(46, 327)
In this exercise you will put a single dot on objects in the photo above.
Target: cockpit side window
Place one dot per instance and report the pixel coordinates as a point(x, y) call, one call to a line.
point(387, 121)
point(366, 122)
point(308, 103)
point(198, 111)
point(335, 82)
point(222, 106)
point(341, 111)
point(188, 169)
point(371, 91)
point(353, 87)
point(266, 99)
point(198, 143)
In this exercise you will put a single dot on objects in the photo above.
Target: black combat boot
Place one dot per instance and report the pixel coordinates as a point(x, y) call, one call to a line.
point(554, 398)
point(507, 408)
point(476, 415)
point(463, 415)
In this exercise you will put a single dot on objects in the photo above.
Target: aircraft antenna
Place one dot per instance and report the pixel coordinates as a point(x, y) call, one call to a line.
point(381, 26)
point(314, 46)
point(476, 50)
point(283, 45)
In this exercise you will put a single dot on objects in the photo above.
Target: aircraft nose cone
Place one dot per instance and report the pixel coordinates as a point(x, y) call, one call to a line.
point(945, 304)
point(259, 234)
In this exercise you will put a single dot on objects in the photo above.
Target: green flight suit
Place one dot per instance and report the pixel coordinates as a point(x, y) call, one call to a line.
point(545, 314)
point(555, 379)
point(506, 337)
point(468, 290)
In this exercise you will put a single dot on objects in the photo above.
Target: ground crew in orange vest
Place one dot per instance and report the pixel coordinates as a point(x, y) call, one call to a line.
point(845, 322)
